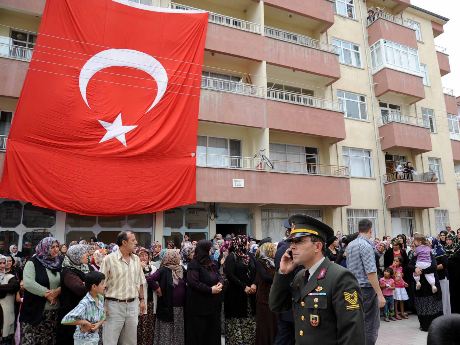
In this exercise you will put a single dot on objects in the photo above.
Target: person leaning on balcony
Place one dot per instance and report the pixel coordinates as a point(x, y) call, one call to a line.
point(409, 171)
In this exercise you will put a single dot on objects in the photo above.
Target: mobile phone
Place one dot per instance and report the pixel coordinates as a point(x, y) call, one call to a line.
point(290, 254)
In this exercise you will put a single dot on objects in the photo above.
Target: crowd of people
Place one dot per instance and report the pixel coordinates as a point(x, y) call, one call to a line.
point(96, 293)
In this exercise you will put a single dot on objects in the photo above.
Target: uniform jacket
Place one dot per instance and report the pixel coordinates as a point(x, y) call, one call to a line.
point(328, 309)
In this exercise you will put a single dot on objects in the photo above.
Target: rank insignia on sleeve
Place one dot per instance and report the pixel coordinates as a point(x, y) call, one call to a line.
point(352, 300)
point(314, 320)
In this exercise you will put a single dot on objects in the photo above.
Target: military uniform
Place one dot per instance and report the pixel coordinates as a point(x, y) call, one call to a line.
point(327, 308)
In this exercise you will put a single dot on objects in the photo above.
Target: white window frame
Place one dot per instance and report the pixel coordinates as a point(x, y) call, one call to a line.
point(388, 54)
point(429, 119)
point(293, 158)
point(357, 154)
point(355, 215)
point(345, 97)
point(435, 165)
point(441, 219)
point(226, 160)
point(345, 8)
point(426, 76)
point(417, 28)
point(353, 50)
point(454, 126)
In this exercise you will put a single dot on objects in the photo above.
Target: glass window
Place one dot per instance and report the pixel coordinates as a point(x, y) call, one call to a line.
point(38, 217)
point(10, 214)
point(345, 8)
point(424, 71)
point(454, 127)
point(349, 53)
point(22, 44)
point(5, 122)
point(355, 215)
point(219, 152)
point(354, 105)
point(390, 112)
point(79, 235)
point(441, 219)
point(79, 221)
point(196, 218)
point(7, 238)
point(141, 221)
point(384, 52)
point(34, 237)
point(428, 119)
point(142, 2)
point(358, 161)
point(434, 165)
point(416, 26)
point(174, 218)
point(293, 158)
point(112, 222)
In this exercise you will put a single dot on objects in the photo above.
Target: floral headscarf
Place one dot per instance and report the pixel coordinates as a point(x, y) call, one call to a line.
point(171, 260)
point(186, 253)
point(153, 247)
point(98, 256)
point(42, 253)
point(266, 254)
point(437, 248)
point(239, 247)
point(73, 257)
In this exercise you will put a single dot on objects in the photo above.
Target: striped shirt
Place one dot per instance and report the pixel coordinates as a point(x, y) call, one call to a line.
point(123, 279)
point(361, 260)
point(87, 310)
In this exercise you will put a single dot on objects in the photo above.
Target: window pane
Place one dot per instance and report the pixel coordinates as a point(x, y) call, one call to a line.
point(352, 109)
point(10, 214)
point(37, 217)
point(196, 218)
point(141, 221)
point(78, 221)
point(112, 222)
point(33, 237)
point(173, 218)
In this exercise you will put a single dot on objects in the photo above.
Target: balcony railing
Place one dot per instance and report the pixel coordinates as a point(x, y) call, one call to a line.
point(414, 177)
point(378, 13)
point(396, 116)
point(441, 49)
point(308, 101)
point(221, 19)
point(295, 38)
point(257, 164)
point(448, 91)
point(3, 139)
point(218, 84)
point(454, 136)
point(14, 49)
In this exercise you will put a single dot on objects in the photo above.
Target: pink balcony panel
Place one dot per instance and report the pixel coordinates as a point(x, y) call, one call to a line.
point(320, 11)
point(215, 185)
point(406, 194)
point(235, 42)
point(12, 75)
point(444, 65)
point(307, 120)
point(437, 29)
point(451, 104)
point(2, 161)
point(384, 29)
point(403, 136)
point(395, 6)
point(34, 7)
point(392, 81)
point(455, 150)
point(232, 109)
point(314, 61)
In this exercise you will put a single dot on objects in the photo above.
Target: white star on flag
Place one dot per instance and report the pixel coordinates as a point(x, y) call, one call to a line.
point(115, 130)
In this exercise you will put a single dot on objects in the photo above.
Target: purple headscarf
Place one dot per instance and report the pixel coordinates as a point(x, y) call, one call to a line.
point(42, 253)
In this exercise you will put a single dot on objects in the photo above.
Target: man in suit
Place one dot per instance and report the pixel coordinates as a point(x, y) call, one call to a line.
point(325, 297)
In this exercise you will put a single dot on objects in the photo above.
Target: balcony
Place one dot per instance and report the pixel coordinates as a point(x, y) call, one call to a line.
point(420, 193)
point(318, 13)
point(386, 26)
point(398, 131)
point(390, 81)
point(13, 66)
point(231, 35)
point(395, 6)
point(232, 102)
point(33, 7)
point(455, 143)
point(303, 53)
point(451, 101)
point(443, 60)
point(323, 186)
point(438, 29)
point(298, 113)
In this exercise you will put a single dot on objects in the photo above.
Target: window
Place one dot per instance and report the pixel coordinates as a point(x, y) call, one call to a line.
point(38, 217)
point(349, 53)
point(454, 127)
point(273, 219)
point(219, 152)
point(143, 2)
point(434, 165)
point(424, 71)
point(428, 119)
point(196, 218)
point(441, 219)
point(345, 8)
point(416, 26)
point(385, 53)
point(292, 89)
point(355, 215)
point(174, 218)
point(354, 105)
point(5, 122)
point(10, 214)
point(292, 158)
point(22, 44)
point(358, 161)
point(403, 222)
point(390, 112)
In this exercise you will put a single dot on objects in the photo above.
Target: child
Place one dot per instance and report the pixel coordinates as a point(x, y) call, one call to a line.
point(387, 284)
point(89, 314)
point(397, 265)
point(400, 295)
point(423, 255)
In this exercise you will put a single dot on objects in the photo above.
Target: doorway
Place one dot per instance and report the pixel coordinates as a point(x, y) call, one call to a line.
point(228, 229)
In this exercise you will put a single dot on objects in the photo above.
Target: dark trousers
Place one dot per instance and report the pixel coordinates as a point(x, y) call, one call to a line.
point(285, 334)
point(371, 315)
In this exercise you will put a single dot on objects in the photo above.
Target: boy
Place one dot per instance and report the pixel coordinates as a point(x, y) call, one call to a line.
point(89, 314)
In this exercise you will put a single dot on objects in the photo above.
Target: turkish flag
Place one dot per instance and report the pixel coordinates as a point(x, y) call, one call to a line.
point(107, 119)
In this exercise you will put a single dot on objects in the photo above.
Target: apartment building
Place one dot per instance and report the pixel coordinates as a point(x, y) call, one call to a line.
point(306, 106)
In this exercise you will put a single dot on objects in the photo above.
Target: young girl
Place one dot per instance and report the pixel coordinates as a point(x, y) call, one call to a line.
point(387, 284)
point(400, 295)
point(423, 255)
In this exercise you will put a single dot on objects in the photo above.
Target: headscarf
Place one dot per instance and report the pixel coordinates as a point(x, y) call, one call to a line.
point(202, 252)
point(11, 247)
point(3, 273)
point(266, 254)
point(98, 256)
point(239, 247)
point(162, 253)
point(42, 253)
point(186, 253)
point(437, 248)
point(171, 260)
point(73, 257)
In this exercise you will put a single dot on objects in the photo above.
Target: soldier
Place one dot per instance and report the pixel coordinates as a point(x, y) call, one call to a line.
point(326, 299)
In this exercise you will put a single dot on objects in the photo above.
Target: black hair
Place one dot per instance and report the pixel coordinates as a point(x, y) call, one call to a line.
point(122, 236)
point(389, 270)
point(93, 278)
point(364, 225)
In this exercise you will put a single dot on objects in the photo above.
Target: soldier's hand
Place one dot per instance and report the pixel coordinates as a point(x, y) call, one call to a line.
point(287, 265)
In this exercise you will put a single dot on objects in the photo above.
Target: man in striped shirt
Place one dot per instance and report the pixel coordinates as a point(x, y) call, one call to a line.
point(124, 296)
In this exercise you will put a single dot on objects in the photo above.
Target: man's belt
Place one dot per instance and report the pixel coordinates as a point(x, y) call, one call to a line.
point(128, 300)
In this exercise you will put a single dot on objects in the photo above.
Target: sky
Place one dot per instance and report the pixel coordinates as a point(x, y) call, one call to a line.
point(449, 39)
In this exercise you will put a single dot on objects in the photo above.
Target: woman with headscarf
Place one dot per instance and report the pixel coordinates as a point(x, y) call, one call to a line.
point(42, 280)
point(442, 262)
point(266, 320)
point(331, 248)
point(239, 306)
point(146, 324)
point(74, 268)
point(204, 298)
point(97, 258)
point(9, 285)
point(169, 285)
point(155, 248)
point(186, 254)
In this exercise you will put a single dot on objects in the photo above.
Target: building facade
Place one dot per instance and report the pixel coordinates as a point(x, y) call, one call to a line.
point(306, 106)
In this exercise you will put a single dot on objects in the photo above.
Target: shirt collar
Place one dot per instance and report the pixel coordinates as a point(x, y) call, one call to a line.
point(313, 268)
point(365, 239)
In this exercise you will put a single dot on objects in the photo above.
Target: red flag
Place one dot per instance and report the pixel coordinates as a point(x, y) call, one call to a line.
point(107, 119)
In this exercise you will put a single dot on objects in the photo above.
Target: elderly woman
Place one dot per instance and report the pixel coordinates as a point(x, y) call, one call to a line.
point(187, 253)
point(74, 268)
point(9, 285)
point(42, 280)
point(97, 258)
point(156, 249)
